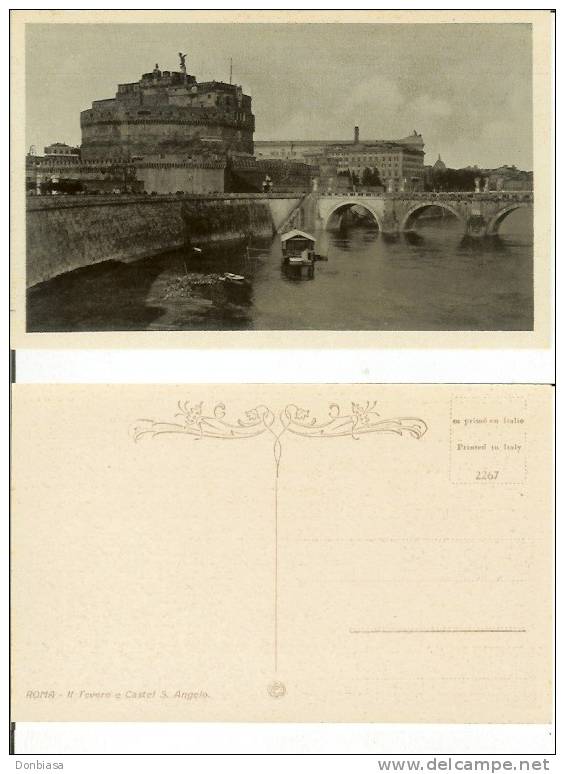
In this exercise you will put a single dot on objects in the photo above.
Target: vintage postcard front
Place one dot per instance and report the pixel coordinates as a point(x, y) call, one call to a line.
point(362, 553)
point(202, 187)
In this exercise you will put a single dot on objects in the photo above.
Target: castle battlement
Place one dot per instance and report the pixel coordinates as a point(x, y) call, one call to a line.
point(167, 109)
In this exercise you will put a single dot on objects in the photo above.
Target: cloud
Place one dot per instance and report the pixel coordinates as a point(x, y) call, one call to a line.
point(374, 93)
point(431, 107)
point(497, 131)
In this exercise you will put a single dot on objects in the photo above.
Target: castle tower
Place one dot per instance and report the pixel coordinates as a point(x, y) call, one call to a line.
point(168, 113)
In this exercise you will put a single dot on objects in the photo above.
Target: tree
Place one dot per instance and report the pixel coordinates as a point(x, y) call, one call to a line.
point(455, 180)
point(65, 186)
point(376, 178)
point(353, 177)
point(371, 177)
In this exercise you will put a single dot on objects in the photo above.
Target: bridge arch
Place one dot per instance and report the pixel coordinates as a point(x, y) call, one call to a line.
point(352, 203)
point(496, 220)
point(410, 215)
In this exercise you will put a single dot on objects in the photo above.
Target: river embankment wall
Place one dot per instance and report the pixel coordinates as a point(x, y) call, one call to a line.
point(70, 232)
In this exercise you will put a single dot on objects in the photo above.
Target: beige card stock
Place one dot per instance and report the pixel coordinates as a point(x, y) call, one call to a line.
point(282, 553)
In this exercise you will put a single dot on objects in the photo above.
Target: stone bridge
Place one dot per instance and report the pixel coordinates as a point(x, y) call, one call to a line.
point(479, 213)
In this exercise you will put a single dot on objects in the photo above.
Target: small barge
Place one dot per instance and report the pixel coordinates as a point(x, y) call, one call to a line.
point(298, 253)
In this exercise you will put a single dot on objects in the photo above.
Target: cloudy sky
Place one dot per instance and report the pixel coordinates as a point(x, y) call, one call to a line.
point(465, 87)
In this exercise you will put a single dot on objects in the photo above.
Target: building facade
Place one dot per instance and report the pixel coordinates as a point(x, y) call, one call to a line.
point(60, 150)
point(291, 150)
point(153, 174)
point(400, 163)
point(68, 174)
point(177, 173)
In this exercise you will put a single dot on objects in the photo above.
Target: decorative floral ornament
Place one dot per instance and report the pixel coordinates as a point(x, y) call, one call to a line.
point(260, 419)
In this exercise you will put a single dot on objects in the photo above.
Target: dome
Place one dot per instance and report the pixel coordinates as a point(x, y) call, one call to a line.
point(439, 166)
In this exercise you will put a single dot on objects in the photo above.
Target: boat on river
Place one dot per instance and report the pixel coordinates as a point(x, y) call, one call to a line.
point(237, 279)
point(298, 253)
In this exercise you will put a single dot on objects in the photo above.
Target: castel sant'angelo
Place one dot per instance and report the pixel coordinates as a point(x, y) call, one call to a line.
point(168, 113)
point(161, 134)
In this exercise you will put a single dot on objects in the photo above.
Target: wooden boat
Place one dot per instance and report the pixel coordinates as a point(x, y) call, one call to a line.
point(229, 277)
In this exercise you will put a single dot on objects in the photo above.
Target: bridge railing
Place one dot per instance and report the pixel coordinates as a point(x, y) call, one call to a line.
point(526, 196)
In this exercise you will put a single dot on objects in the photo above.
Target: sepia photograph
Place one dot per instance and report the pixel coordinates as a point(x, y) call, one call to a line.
point(297, 176)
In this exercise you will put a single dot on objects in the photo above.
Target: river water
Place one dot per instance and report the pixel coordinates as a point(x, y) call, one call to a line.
point(429, 280)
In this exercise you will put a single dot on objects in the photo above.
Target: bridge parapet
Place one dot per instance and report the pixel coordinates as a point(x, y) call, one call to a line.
point(430, 195)
point(441, 196)
point(61, 201)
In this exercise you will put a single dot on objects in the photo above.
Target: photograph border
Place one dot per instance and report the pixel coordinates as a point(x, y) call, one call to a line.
point(539, 338)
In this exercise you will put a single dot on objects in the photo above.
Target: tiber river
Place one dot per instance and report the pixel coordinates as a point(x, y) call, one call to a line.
point(430, 280)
